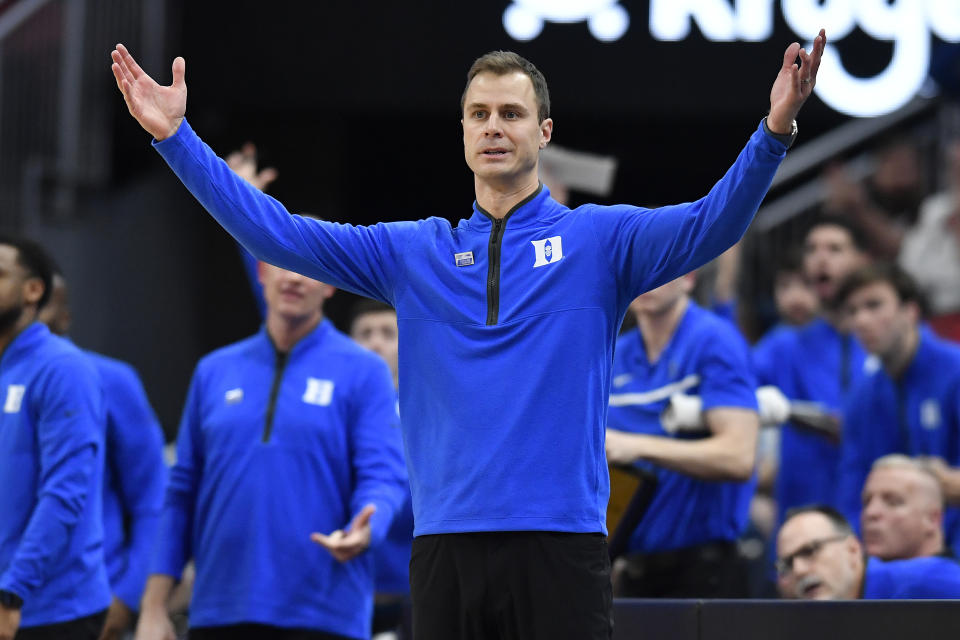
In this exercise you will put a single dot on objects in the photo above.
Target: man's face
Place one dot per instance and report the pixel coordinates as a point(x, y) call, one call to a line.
point(377, 331)
point(662, 299)
point(824, 565)
point(15, 288)
point(901, 513)
point(795, 298)
point(829, 256)
point(56, 313)
point(880, 321)
point(291, 295)
point(502, 134)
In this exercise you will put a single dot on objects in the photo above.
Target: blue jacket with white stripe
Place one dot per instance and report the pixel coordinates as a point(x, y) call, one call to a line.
point(507, 327)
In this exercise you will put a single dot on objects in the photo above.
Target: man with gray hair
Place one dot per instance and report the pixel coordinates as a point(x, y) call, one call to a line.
point(902, 513)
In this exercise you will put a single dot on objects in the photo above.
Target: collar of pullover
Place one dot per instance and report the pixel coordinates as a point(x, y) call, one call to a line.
point(305, 343)
point(24, 341)
point(524, 213)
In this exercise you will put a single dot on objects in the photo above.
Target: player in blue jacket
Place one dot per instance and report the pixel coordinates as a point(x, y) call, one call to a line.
point(53, 582)
point(909, 400)
point(135, 474)
point(289, 435)
point(819, 362)
point(507, 328)
point(686, 543)
point(820, 558)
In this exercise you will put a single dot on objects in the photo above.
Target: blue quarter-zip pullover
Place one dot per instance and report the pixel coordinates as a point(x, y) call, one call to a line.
point(271, 448)
point(917, 415)
point(51, 470)
point(817, 363)
point(507, 326)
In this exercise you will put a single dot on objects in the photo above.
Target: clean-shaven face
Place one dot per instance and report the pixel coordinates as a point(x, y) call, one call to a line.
point(377, 331)
point(829, 256)
point(502, 135)
point(291, 295)
point(879, 319)
point(901, 513)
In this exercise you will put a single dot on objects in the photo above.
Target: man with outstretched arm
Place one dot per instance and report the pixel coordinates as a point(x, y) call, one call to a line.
point(507, 325)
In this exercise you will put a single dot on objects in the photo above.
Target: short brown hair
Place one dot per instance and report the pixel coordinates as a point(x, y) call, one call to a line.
point(500, 63)
point(899, 280)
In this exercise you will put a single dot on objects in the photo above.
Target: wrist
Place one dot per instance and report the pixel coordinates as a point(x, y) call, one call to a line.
point(10, 600)
point(785, 133)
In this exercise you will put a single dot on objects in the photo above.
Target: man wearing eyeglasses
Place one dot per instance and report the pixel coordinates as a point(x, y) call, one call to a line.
point(820, 558)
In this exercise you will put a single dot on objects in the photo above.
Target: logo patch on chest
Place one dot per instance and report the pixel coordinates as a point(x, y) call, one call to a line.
point(319, 392)
point(15, 393)
point(547, 251)
point(464, 259)
point(930, 414)
point(233, 396)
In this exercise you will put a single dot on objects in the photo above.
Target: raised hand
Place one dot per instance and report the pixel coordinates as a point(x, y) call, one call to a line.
point(344, 545)
point(244, 164)
point(159, 110)
point(794, 84)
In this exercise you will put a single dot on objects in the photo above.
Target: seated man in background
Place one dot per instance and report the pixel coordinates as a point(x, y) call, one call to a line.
point(686, 544)
point(902, 513)
point(909, 401)
point(817, 362)
point(820, 558)
point(135, 475)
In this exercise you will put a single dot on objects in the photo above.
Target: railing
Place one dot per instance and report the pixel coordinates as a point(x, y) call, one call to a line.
point(55, 106)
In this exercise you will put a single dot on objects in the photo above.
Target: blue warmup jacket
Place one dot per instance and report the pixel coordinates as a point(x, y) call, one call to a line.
point(932, 578)
point(51, 470)
point(134, 480)
point(816, 363)
point(272, 448)
point(917, 415)
point(507, 326)
point(705, 357)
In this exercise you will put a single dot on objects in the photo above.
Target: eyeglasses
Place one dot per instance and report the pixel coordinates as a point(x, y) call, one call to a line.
point(784, 565)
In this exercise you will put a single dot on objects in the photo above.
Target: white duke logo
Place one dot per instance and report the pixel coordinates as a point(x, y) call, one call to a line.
point(15, 393)
point(318, 392)
point(547, 251)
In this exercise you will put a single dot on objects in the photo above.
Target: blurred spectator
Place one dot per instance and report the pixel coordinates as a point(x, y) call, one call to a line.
point(931, 252)
point(135, 474)
point(795, 298)
point(820, 558)
point(902, 514)
point(53, 582)
point(909, 400)
point(816, 362)
point(374, 326)
point(686, 543)
point(887, 203)
point(290, 431)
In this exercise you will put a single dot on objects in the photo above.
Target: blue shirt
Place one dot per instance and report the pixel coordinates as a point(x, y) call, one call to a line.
point(134, 479)
point(912, 579)
point(271, 449)
point(917, 415)
point(507, 326)
point(51, 470)
point(706, 357)
point(814, 363)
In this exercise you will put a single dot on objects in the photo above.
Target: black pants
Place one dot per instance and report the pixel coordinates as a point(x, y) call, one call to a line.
point(712, 570)
point(259, 632)
point(87, 628)
point(525, 585)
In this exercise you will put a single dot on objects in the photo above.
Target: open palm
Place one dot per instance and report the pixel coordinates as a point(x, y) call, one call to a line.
point(159, 110)
point(794, 83)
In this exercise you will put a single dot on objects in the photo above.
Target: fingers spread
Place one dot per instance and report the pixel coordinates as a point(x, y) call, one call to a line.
point(790, 55)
